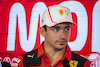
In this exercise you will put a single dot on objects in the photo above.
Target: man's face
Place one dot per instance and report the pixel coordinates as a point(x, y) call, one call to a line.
point(58, 35)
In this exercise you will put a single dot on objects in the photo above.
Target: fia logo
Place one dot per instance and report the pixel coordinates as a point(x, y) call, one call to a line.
point(73, 63)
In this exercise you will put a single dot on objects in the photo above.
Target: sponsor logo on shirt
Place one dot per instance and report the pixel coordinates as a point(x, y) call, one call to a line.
point(73, 63)
point(32, 56)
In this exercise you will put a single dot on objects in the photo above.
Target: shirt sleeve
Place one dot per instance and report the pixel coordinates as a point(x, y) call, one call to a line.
point(17, 62)
point(87, 64)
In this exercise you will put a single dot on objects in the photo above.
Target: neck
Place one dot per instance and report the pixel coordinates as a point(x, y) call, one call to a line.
point(53, 53)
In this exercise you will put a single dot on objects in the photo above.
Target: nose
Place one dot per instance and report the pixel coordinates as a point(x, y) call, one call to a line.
point(62, 34)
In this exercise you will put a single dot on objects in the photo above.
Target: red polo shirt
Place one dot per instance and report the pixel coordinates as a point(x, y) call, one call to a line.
point(45, 62)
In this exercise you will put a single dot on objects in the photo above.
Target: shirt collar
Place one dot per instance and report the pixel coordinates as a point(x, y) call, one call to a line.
point(66, 55)
point(40, 51)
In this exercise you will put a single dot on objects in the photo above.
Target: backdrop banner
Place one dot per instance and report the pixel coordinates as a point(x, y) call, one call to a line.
point(20, 22)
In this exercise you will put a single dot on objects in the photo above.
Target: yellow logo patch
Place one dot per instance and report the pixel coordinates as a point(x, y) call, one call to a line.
point(61, 12)
point(73, 63)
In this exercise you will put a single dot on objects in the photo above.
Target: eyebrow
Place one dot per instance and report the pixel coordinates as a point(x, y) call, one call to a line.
point(68, 27)
point(59, 27)
point(55, 27)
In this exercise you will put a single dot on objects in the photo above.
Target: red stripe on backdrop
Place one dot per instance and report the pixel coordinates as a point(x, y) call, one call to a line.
point(89, 8)
point(73, 28)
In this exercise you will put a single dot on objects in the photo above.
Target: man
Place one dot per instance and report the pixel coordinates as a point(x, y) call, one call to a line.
point(54, 51)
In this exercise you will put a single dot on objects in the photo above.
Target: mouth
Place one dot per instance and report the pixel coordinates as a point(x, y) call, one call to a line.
point(62, 42)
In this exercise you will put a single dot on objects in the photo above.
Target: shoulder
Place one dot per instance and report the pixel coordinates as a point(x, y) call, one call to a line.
point(82, 61)
point(30, 54)
point(30, 58)
point(75, 56)
point(25, 59)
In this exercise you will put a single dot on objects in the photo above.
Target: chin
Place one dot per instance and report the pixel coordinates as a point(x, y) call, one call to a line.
point(61, 47)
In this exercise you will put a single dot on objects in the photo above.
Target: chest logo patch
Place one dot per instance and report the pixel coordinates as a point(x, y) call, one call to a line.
point(73, 63)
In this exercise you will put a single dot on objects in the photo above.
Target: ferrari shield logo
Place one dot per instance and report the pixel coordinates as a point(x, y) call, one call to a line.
point(61, 12)
point(73, 63)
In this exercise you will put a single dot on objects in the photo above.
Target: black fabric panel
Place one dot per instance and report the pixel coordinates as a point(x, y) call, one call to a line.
point(5, 64)
point(66, 63)
point(81, 60)
point(29, 61)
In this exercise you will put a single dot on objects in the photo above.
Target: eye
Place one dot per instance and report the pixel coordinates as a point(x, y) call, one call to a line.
point(67, 29)
point(55, 30)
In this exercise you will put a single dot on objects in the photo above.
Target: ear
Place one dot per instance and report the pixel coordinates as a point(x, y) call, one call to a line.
point(42, 31)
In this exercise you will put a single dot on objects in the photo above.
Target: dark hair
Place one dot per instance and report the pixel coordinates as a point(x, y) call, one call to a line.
point(45, 27)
